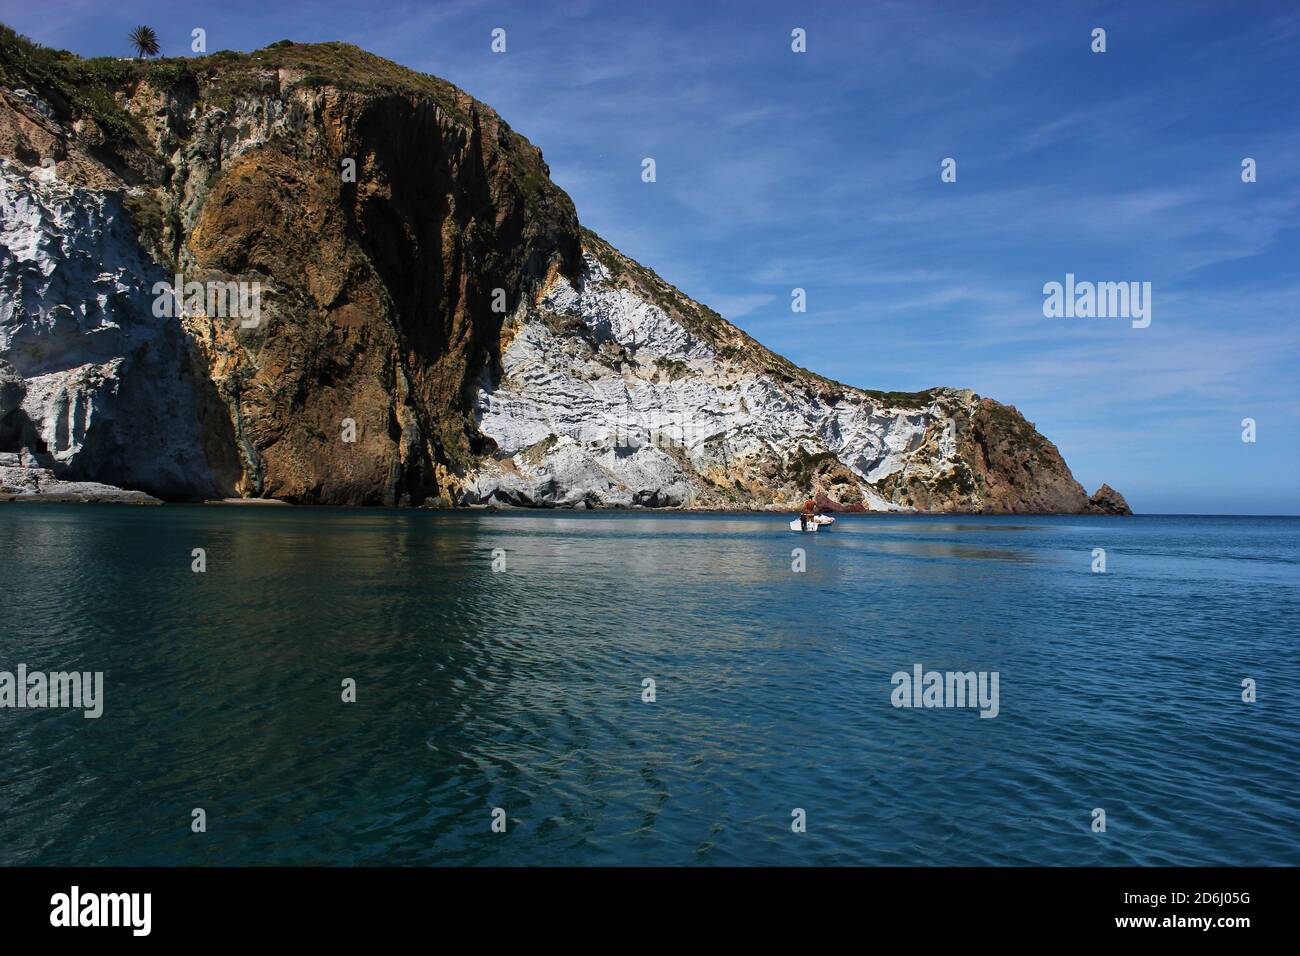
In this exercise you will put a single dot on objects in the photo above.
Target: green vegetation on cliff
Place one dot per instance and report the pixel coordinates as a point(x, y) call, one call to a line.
point(78, 88)
point(73, 86)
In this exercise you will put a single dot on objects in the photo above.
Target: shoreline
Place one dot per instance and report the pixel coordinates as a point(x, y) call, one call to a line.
point(74, 498)
point(124, 497)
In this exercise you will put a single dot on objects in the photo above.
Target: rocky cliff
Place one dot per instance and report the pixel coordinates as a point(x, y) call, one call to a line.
point(431, 324)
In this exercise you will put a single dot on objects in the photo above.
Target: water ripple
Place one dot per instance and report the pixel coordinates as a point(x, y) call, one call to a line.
point(522, 690)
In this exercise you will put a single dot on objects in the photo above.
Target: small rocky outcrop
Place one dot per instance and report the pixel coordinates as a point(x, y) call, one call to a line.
point(22, 478)
point(1107, 501)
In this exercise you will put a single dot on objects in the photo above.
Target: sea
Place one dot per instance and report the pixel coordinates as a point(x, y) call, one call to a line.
point(313, 686)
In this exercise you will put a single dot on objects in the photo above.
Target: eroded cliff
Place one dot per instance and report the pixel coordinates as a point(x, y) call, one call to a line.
point(432, 323)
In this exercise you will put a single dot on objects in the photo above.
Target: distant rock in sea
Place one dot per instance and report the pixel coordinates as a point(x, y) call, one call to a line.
point(1106, 500)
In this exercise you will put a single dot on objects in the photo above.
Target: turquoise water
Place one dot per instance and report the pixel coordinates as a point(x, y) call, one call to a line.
point(522, 689)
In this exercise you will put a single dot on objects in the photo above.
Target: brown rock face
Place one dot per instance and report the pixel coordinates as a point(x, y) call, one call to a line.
point(1107, 501)
point(379, 225)
point(827, 504)
point(1015, 468)
point(1004, 466)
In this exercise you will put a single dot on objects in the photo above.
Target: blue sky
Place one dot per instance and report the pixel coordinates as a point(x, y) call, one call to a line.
point(821, 171)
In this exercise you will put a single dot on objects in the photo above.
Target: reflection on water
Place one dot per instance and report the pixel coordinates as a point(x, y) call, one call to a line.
point(522, 689)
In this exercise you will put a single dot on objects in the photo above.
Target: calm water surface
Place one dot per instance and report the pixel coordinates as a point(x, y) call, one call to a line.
point(522, 689)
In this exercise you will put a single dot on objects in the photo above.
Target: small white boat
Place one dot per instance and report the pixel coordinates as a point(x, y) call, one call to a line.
point(818, 522)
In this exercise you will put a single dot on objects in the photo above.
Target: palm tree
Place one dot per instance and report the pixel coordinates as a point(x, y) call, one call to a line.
point(145, 41)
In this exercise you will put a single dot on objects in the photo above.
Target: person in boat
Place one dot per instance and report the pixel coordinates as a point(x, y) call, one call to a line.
point(806, 515)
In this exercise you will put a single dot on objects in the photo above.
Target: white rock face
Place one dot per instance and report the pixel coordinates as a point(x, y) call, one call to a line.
point(36, 103)
point(605, 398)
point(106, 386)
